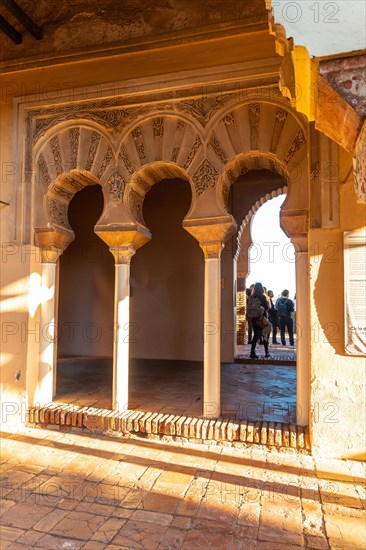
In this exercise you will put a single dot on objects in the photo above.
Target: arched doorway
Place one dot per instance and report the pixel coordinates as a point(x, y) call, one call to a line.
point(166, 304)
point(267, 390)
point(85, 309)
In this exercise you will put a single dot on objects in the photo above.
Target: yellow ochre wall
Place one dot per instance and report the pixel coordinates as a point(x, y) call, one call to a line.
point(338, 381)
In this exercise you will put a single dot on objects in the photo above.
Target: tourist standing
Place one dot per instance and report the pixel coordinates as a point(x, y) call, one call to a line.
point(272, 313)
point(285, 307)
point(257, 309)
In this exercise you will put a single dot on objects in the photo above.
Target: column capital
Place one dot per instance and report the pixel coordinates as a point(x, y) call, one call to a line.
point(212, 249)
point(122, 254)
point(50, 255)
point(295, 224)
point(123, 237)
point(211, 233)
point(52, 243)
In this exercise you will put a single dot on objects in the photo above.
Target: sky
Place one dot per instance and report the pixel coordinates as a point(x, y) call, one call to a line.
point(271, 257)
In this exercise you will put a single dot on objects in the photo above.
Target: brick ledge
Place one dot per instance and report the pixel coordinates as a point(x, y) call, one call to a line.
point(89, 420)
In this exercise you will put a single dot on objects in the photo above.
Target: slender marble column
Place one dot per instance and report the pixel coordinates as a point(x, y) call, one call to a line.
point(48, 330)
point(212, 329)
point(121, 326)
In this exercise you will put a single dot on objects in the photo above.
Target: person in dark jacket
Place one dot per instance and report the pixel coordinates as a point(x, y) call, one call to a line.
point(285, 307)
point(258, 293)
point(272, 313)
point(248, 293)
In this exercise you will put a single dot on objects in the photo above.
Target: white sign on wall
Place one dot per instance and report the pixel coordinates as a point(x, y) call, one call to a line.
point(355, 291)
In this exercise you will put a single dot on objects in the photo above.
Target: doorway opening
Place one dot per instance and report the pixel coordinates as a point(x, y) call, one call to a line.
point(85, 308)
point(261, 252)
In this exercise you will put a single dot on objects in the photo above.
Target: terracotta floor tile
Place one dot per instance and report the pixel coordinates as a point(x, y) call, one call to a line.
point(30, 538)
point(346, 530)
point(166, 495)
point(94, 545)
point(196, 539)
point(79, 525)
point(160, 502)
point(140, 535)
point(241, 386)
point(51, 542)
point(157, 518)
point(24, 516)
point(108, 530)
point(172, 539)
point(10, 533)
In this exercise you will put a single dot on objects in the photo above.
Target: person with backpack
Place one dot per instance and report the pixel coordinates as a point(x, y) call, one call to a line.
point(257, 308)
point(285, 307)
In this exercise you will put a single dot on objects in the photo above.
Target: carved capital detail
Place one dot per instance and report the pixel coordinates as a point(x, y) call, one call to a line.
point(212, 250)
point(123, 240)
point(295, 223)
point(122, 255)
point(50, 255)
point(211, 232)
point(52, 243)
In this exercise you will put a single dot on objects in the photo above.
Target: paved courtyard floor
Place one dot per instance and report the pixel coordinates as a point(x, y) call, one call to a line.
point(68, 491)
point(248, 391)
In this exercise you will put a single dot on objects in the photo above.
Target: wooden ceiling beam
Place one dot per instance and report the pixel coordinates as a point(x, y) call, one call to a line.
point(9, 30)
point(23, 18)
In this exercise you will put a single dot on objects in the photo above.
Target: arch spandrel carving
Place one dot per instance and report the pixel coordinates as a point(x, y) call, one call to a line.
point(67, 158)
point(142, 181)
point(210, 149)
point(160, 137)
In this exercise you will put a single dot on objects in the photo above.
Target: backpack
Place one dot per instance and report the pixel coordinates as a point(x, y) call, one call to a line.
point(281, 307)
point(255, 308)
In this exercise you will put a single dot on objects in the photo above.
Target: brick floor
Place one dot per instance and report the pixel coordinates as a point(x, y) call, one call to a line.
point(156, 495)
point(263, 391)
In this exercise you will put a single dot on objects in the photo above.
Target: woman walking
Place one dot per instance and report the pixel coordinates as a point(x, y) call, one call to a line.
point(257, 309)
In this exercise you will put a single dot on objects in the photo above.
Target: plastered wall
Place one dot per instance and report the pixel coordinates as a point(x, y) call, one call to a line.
point(167, 281)
point(338, 381)
point(86, 288)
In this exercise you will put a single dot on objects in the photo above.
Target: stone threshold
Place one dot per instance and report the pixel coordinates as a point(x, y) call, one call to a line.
point(282, 360)
point(89, 420)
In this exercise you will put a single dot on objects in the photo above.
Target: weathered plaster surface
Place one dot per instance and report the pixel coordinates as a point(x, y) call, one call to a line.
point(348, 77)
point(338, 381)
point(75, 25)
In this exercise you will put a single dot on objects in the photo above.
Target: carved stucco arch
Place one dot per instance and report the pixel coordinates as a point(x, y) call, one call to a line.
point(167, 144)
point(160, 137)
point(271, 97)
point(67, 158)
point(268, 135)
point(143, 180)
point(244, 163)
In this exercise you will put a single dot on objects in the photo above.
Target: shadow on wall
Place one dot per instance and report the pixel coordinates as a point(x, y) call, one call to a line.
point(86, 285)
point(329, 290)
point(167, 280)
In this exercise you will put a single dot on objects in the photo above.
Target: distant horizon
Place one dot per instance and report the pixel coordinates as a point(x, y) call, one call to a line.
point(272, 255)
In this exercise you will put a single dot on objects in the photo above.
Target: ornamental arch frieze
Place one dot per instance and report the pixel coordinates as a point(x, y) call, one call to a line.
point(256, 135)
point(161, 144)
point(67, 158)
